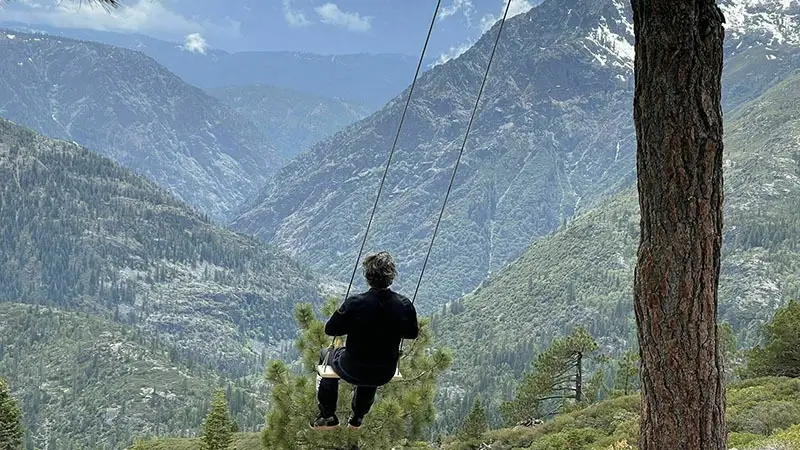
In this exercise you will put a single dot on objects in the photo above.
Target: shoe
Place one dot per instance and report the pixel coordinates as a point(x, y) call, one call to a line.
point(325, 423)
point(354, 423)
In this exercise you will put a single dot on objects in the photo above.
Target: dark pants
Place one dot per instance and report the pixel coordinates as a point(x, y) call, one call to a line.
point(328, 395)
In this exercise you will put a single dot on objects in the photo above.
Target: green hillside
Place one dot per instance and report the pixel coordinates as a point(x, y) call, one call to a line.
point(145, 304)
point(79, 232)
point(762, 413)
point(583, 273)
point(85, 382)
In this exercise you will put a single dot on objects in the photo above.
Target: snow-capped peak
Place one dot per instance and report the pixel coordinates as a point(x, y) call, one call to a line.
point(611, 42)
point(764, 22)
point(774, 22)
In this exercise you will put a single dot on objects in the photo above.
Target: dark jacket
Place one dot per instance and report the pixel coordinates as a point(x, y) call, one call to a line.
point(375, 322)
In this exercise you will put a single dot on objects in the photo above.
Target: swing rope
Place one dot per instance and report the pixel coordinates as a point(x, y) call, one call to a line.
point(388, 162)
point(455, 168)
point(461, 152)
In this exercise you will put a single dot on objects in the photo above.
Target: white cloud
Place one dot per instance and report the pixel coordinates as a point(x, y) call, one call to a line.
point(458, 5)
point(133, 16)
point(294, 17)
point(195, 43)
point(331, 14)
point(452, 53)
point(517, 7)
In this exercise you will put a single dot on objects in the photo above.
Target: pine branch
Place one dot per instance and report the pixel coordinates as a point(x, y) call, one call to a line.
point(554, 397)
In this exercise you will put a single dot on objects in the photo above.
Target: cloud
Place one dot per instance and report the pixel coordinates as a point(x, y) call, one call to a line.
point(458, 5)
point(331, 14)
point(195, 43)
point(452, 53)
point(487, 21)
point(294, 17)
point(517, 7)
point(140, 16)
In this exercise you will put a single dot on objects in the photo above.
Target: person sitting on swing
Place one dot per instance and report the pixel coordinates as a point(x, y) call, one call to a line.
point(375, 322)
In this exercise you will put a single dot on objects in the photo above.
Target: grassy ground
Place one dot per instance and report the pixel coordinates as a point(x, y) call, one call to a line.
point(763, 414)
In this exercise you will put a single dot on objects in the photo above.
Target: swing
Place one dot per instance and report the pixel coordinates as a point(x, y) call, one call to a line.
point(325, 370)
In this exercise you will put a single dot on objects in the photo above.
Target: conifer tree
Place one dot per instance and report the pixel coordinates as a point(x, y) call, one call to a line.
point(678, 64)
point(780, 354)
point(400, 414)
point(474, 424)
point(555, 378)
point(217, 429)
point(11, 432)
point(627, 379)
point(731, 355)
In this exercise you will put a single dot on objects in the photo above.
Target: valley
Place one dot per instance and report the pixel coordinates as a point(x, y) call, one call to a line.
point(172, 223)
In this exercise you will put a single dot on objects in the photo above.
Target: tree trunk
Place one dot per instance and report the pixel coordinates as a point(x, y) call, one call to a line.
point(678, 117)
point(579, 378)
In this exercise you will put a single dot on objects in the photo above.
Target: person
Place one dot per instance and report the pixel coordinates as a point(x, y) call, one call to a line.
point(375, 322)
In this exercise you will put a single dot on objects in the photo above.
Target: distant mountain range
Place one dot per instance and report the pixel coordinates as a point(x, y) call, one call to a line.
point(126, 106)
point(553, 138)
point(292, 120)
point(368, 79)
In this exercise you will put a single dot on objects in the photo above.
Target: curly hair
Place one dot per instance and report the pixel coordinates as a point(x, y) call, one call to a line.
point(379, 270)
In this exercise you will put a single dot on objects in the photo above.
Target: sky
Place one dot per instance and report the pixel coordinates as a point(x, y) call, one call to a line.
point(315, 26)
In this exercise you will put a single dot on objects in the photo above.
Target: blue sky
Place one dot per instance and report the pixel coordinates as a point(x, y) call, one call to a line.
point(317, 26)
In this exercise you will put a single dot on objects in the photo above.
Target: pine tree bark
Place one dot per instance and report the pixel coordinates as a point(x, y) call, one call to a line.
point(579, 378)
point(678, 117)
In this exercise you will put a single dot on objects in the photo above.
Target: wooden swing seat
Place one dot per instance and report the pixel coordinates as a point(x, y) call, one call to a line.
point(326, 371)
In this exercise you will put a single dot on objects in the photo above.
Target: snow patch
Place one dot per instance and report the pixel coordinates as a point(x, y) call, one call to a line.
point(507, 126)
point(618, 47)
point(762, 17)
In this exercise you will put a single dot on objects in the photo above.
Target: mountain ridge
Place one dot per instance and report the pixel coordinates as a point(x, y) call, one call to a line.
point(82, 233)
point(553, 137)
point(293, 120)
point(582, 274)
point(371, 78)
point(125, 105)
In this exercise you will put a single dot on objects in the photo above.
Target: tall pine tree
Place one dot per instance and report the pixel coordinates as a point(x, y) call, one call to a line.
point(10, 420)
point(218, 429)
point(780, 353)
point(474, 424)
point(400, 414)
point(557, 376)
point(678, 120)
point(627, 376)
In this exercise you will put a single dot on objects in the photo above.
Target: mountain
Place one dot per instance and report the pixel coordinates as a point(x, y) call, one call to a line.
point(371, 79)
point(583, 273)
point(554, 137)
point(126, 106)
point(293, 120)
point(80, 233)
point(85, 382)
